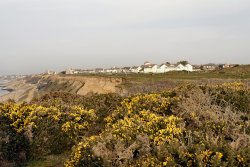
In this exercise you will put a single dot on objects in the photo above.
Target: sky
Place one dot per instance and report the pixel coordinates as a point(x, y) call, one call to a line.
point(37, 35)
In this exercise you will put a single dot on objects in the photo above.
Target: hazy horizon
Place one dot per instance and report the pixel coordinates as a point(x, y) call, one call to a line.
point(37, 35)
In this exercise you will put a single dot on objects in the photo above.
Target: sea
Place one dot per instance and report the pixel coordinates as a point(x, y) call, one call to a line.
point(3, 92)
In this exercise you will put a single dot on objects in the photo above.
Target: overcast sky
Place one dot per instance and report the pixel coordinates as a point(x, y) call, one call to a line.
point(36, 35)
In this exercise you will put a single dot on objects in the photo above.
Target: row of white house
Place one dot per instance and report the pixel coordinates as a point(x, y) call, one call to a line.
point(165, 67)
point(147, 67)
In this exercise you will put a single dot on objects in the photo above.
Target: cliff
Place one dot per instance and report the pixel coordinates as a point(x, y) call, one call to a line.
point(28, 88)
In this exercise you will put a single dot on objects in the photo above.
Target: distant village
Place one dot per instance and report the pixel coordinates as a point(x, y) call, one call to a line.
point(148, 67)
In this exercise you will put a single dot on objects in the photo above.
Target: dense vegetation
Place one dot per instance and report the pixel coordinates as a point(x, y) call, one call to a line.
point(190, 125)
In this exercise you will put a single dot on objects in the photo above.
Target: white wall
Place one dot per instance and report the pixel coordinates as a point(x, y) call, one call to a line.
point(188, 67)
point(180, 67)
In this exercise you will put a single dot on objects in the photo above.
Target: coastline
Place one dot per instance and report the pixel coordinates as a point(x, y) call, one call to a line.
point(15, 90)
point(4, 89)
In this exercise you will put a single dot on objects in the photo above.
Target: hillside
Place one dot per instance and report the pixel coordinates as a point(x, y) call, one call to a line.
point(188, 125)
point(124, 84)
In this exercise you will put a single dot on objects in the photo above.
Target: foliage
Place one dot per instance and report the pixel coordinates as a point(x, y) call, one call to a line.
point(190, 125)
point(236, 94)
point(183, 62)
point(40, 130)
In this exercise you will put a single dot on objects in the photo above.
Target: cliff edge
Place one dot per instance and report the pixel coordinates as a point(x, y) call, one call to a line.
point(34, 86)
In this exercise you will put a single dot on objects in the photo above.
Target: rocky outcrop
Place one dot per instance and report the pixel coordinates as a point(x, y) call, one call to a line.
point(28, 88)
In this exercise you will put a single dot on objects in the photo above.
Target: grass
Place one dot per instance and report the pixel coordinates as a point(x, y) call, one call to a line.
point(132, 80)
point(239, 72)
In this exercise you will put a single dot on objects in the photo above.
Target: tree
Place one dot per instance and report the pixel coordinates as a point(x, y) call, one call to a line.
point(184, 62)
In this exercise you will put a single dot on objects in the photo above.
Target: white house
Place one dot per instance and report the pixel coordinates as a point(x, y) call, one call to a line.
point(125, 70)
point(171, 67)
point(49, 72)
point(210, 66)
point(147, 69)
point(166, 67)
point(135, 69)
point(71, 71)
point(155, 68)
point(162, 68)
point(99, 70)
point(152, 68)
point(116, 70)
point(180, 67)
point(188, 67)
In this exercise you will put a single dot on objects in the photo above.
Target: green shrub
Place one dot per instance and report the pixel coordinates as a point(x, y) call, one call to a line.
point(190, 125)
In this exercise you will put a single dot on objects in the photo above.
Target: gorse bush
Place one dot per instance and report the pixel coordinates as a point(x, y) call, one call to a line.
point(235, 94)
point(215, 126)
point(190, 125)
point(132, 130)
point(157, 103)
point(40, 131)
point(103, 104)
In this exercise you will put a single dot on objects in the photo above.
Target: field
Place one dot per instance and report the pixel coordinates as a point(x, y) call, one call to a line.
point(173, 119)
point(239, 73)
